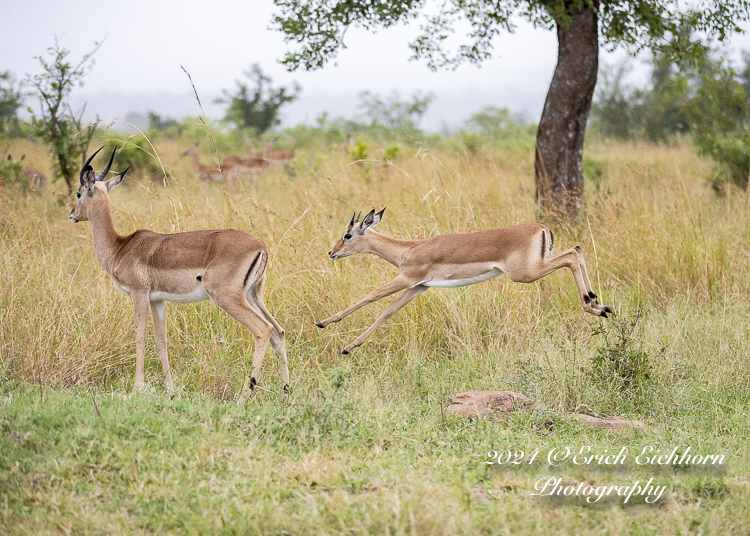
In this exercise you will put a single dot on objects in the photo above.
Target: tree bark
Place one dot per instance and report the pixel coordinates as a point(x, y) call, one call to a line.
point(559, 139)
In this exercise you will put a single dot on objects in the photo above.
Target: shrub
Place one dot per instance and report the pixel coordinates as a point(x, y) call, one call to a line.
point(136, 153)
point(359, 151)
point(391, 152)
point(499, 124)
point(621, 360)
point(257, 108)
point(62, 131)
point(10, 172)
point(11, 99)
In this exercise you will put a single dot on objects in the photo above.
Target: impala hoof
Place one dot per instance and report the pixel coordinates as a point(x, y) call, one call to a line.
point(608, 309)
point(345, 351)
point(319, 324)
point(603, 315)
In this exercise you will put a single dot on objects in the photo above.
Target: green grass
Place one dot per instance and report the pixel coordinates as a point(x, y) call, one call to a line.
point(364, 445)
point(362, 458)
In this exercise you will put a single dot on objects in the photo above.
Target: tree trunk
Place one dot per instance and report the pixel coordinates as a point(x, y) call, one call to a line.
point(559, 139)
point(65, 172)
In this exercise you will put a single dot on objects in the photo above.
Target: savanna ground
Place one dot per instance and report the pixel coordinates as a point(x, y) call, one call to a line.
point(363, 445)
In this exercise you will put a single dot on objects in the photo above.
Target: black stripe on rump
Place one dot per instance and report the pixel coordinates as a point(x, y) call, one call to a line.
point(255, 261)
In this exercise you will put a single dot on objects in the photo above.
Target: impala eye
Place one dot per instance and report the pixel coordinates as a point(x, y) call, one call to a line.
point(347, 236)
point(78, 195)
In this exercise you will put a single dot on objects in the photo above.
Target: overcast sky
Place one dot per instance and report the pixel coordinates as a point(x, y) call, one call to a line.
point(144, 44)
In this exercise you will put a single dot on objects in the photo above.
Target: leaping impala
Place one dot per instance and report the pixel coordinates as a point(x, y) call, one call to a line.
point(226, 266)
point(523, 252)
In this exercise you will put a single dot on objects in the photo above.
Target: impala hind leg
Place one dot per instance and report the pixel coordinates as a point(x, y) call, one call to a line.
point(240, 309)
point(586, 282)
point(545, 266)
point(159, 316)
point(408, 295)
point(278, 341)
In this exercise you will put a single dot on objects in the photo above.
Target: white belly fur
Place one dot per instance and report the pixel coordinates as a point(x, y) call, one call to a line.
point(197, 295)
point(122, 288)
point(450, 283)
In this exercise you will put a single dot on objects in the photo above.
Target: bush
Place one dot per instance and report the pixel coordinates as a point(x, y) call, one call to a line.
point(11, 99)
point(10, 172)
point(64, 132)
point(720, 114)
point(705, 98)
point(257, 108)
point(621, 361)
point(359, 151)
point(499, 124)
point(135, 152)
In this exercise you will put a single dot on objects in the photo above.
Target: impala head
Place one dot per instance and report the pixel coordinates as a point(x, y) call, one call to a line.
point(93, 188)
point(193, 149)
point(355, 238)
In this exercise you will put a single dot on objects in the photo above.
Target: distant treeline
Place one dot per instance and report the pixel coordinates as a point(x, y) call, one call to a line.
point(706, 99)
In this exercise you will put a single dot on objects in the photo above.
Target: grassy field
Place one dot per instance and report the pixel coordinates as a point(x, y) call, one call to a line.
point(363, 445)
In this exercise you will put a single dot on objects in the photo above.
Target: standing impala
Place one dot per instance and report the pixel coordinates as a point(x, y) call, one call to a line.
point(524, 252)
point(226, 266)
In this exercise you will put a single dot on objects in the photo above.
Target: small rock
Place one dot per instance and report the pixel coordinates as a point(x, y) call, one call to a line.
point(612, 424)
point(499, 405)
point(487, 404)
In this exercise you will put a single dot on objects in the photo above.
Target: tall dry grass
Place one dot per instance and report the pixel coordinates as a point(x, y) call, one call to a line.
point(655, 235)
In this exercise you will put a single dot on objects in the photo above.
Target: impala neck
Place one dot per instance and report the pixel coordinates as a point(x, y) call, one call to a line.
point(195, 160)
point(105, 237)
point(387, 248)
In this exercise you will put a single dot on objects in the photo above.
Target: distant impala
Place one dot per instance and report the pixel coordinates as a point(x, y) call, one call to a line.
point(226, 266)
point(34, 181)
point(272, 156)
point(37, 179)
point(243, 167)
point(524, 252)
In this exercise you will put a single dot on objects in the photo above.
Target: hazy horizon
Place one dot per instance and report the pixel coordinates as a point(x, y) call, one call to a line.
point(447, 111)
point(146, 45)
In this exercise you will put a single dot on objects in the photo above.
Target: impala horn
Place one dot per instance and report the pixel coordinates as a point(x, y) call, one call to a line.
point(104, 172)
point(87, 163)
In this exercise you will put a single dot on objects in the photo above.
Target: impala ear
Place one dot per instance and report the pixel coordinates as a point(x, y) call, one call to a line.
point(112, 183)
point(379, 216)
point(88, 177)
point(371, 220)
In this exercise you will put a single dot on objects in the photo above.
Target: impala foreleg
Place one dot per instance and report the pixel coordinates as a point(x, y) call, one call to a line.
point(394, 286)
point(408, 295)
point(231, 178)
point(140, 304)
point(159, 316)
